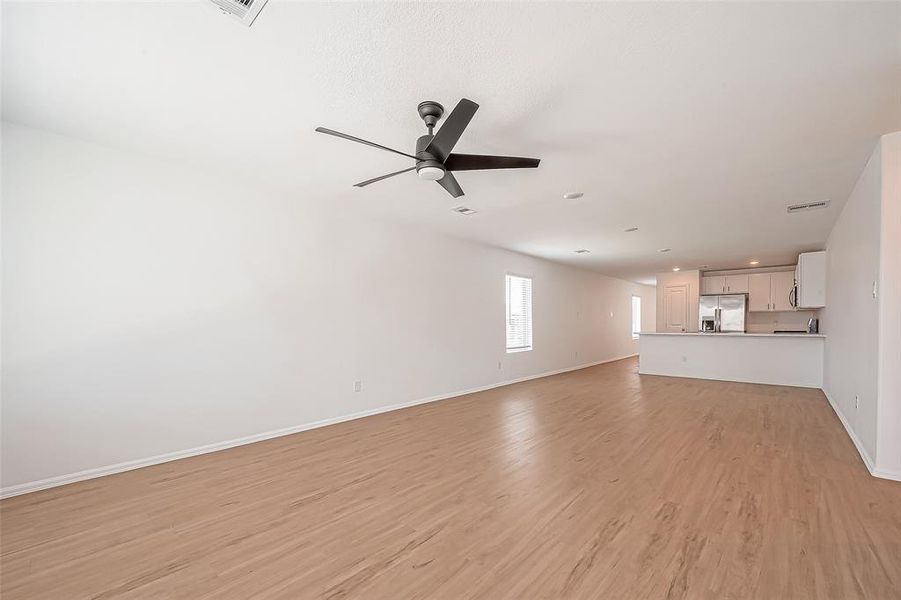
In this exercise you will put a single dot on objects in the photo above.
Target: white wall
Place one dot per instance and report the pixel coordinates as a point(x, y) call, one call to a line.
point(149, 309)
point(888, 453)
point(851, 316)
point(863, 343)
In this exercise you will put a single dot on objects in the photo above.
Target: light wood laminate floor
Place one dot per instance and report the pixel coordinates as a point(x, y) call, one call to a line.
point(598, 483)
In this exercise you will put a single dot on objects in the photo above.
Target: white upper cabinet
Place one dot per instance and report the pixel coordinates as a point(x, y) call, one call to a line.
point(724, 284)
point(771, 291)
point(736, 284)
point(759, 292)
point(805, 287)
point(713, 285)
point(782, 290)
point(810, 275)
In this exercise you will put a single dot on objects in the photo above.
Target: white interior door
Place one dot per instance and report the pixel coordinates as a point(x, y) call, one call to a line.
point(675, 308)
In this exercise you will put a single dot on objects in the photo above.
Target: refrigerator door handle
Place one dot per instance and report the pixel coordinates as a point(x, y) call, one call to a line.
point(716, 319)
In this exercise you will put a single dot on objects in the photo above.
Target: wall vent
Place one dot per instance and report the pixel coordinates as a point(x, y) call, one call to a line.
point(808, 206)
point(243, 10)
point(463, 210)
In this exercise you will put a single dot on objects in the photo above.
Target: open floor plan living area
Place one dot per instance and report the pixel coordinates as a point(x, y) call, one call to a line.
point(450, 300)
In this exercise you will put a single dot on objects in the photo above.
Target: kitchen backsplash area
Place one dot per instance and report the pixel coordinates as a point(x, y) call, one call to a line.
point(768, 322)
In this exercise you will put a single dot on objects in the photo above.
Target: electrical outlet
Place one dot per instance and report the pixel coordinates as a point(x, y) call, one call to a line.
point(358, 386)
point(684, 358)
point(498, 365)
point(856, 401)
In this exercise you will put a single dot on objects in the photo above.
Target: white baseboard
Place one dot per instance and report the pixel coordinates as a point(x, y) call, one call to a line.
point(886, 474)
point(43, 484)
point(861, 449)
point(867, 460)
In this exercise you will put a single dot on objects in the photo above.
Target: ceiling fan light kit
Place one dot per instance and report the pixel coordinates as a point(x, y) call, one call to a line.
point(434, 159)
point(430, 172)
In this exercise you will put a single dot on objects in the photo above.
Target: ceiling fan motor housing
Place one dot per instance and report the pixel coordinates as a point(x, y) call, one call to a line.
point(427, 166)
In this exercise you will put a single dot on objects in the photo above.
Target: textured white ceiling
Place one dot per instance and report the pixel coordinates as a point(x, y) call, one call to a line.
point(698, 123)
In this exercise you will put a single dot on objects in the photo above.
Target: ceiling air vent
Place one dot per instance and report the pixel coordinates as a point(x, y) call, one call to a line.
point(808, 206)
point(463, 210)
point(243, 10)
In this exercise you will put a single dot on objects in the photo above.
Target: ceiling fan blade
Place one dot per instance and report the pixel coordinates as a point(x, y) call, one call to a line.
point(446, 138)
point(368, 181)
point(449, 182)
point(362, 141)
point(475, 162)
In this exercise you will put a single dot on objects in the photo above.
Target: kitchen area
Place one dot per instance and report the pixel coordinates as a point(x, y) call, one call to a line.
point(755, 325)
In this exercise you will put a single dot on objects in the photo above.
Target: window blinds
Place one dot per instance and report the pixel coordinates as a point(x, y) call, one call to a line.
point(519, 313)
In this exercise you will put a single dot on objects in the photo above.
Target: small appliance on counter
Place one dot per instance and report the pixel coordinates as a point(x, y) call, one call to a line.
point(813, 325)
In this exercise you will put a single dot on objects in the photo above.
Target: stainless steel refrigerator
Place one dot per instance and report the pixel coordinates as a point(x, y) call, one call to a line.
point(724, 313)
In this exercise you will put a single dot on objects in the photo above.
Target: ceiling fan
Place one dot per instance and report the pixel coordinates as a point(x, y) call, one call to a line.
point(434, 159)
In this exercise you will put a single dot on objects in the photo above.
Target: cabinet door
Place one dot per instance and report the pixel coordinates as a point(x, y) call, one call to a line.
point(782, 285)
point(713, 285)
point(736, 284)
point(811, 276)
point(759, 292)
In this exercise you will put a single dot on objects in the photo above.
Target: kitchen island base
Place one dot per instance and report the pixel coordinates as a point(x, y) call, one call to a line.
point(776, 359)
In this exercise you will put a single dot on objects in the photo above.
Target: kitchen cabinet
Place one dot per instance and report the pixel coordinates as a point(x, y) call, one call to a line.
point(724, 284)
point(736, 284)
point(759, 299)
point(810, 275)
point(714, 284)
point(769, 292)
point(782, 290)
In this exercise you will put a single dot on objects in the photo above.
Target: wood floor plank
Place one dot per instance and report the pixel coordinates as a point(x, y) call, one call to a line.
point(591, 484)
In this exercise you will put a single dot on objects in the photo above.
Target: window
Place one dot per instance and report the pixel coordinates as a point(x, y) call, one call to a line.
point(636, 316)
point(519, 313)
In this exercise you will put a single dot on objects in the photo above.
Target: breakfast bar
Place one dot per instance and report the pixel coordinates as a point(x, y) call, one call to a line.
point(771, 358)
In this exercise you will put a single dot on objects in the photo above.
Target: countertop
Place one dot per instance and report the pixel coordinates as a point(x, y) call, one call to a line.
point(777, 335)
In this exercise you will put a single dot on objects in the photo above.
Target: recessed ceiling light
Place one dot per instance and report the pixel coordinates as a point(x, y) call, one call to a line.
point(664, 249)
point(676, 269)
point(755, 262)
point(572, 195)
point(703, 266)
point(463, 210)
point(630, 229)
point(582, 251)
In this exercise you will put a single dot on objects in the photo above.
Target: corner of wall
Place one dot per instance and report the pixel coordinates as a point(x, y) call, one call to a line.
point(888, 437)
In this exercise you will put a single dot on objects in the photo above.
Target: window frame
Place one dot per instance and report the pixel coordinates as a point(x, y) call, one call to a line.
point(635, 334)
point(531, 340)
